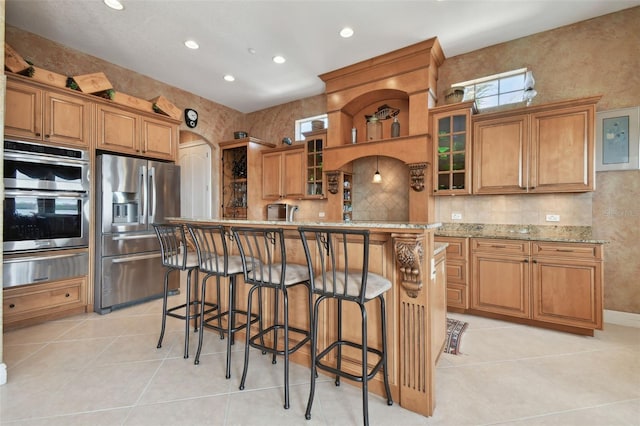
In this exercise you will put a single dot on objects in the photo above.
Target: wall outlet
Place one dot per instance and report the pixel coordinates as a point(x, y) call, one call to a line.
point(553, 218)
point(320, 214)
point(456, 216)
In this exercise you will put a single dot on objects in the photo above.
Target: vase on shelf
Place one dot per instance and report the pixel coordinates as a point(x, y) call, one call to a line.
point(374, 129)
point(395, 128)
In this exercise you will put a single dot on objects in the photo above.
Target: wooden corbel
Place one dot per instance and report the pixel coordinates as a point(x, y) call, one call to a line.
point(333, 181)
point(409, 250)
point(416, 176)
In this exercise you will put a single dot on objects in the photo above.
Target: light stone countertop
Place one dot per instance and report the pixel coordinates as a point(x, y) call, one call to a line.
point(573, 234)
point(352, 224)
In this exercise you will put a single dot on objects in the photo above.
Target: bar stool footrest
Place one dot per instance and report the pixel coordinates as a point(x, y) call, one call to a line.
point(271, 348)
point(196, 304)
point(206, 323)
point(342, 373)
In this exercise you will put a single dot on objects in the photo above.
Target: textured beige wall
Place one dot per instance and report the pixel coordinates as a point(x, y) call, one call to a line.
point(595, 57)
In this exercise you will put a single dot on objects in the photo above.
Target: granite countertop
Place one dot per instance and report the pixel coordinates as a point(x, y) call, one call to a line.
point(574, 234)
point(351, 224)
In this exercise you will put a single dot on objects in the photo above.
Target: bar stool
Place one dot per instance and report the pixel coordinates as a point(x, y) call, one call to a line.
point(177, 257)
point(338, 263)
point(265, 266)
point(215, 261)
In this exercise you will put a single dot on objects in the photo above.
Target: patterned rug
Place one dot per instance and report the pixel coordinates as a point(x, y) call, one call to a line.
point(455, 329)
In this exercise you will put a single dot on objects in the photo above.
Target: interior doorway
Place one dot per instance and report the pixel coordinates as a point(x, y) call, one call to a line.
point(194, 159)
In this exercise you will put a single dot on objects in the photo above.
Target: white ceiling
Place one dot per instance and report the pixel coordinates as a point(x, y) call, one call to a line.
point(148, 35)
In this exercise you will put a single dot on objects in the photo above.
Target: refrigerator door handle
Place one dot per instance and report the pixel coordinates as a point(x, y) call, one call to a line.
point(152, 194)
point(143, 188)
point(135, 258)
point(134, 237)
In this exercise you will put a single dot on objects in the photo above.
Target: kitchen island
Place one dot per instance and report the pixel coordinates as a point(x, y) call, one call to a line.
point(416, 304)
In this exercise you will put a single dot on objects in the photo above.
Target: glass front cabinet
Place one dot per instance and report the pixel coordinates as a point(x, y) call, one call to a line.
point(314, 145)
point(451, 135)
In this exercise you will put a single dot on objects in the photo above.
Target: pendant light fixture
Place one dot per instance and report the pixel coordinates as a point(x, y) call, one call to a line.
point(377, 177)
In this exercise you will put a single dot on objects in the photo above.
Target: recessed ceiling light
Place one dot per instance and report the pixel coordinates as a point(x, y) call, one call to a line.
point(114, 4)
point(191, 44)
point(251, 50)
point(346, 32)
point(279, 59)
point(229, 77)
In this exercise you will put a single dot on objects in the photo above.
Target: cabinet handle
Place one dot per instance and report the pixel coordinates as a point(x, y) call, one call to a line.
point(12, 305)
point(37, 133)
point(535, 261)
point(565, 250)
point(67, 295)
point(498, 246)
point(533, 187)
point(526, 261)
point(47, 136)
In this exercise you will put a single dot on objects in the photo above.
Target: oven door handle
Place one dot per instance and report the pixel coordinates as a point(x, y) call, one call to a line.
point(43, 159)
point(32, 258)
point(46, 194)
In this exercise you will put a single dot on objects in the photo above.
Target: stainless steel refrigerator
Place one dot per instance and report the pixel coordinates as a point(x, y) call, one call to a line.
point(131, 195)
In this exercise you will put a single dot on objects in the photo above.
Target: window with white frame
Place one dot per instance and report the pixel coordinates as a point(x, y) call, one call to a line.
point(304, 125)
point(495, 90)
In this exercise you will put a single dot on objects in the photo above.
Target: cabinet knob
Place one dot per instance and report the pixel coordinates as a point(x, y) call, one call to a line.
point(37, 133)
point(526, 261)
point(12, 305)
point(47, 136)
point(67, 295)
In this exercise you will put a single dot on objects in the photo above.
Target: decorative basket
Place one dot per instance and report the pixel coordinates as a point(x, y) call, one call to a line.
point(453, 95)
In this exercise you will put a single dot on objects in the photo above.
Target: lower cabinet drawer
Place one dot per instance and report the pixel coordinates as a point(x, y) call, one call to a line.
point(457, 296)
point(24, 302)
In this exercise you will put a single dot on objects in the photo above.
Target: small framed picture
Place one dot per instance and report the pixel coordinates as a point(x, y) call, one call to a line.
point(618, 139)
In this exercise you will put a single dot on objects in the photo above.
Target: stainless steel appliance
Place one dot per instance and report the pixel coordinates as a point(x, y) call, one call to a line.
point(46, 202)
point(281, 211)
point(132, 194)
point(35, 268)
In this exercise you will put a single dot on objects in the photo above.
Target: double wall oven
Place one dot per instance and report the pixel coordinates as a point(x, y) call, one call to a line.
point(46, 207)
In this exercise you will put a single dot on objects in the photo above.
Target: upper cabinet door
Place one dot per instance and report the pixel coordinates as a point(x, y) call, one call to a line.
point(118, 130)
point(67, 119)
point(293, 180)
point(159, 139)
point(23, 114)
point(452, 150)
point(500, 155)
point(562, 151)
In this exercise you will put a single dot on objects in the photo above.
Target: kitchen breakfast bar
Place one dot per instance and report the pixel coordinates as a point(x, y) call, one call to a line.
point(404, 253)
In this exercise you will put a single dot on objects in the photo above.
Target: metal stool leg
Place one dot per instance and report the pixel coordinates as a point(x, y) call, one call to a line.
point(164, 307)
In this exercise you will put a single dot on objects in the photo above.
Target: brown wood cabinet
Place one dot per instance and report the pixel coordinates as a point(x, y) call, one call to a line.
point(34, 303)
point(553, 283)
point(567, 284)
point(126, 132)
point(500, 279)
point(34, 113)
point(457, 271)
point(549, 148)
point(451, 135)
point(240, 174)
point(313, 176)
point(282, 173)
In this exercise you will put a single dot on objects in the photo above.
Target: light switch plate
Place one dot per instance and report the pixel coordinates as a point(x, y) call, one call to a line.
point(553, 218)
point(320, 214)
point(456, 216)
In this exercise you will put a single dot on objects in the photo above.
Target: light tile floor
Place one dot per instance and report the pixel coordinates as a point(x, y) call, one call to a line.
point(106, 370)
